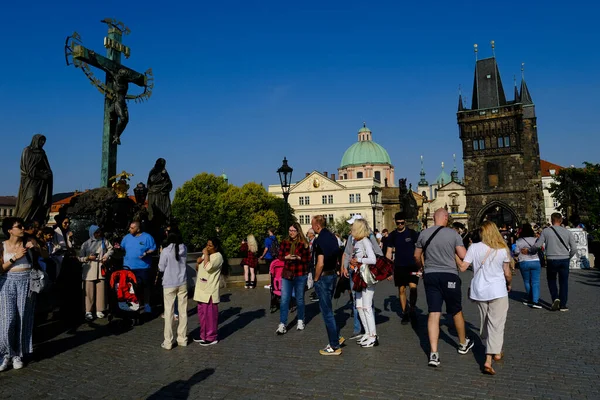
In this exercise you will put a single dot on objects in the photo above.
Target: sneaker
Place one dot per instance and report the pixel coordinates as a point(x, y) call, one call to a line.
point(267, 286)
point(356, 336)
point(281, 330)
point(370, 342)
point(182, 344)
point(17, 363)
point(5, 363)
point(273, 309)
point(527, 303)
point(300, 326)
point(88, 316)
point(166, 346)
point(556, 305)
point(405, 319)
point(434, 360)
point(100, 314)
point(363, 339)
point(147, 308)
point(535, 305)
point(564, 309)
point(207, 343)
point(341, 340)
point(247, 285)
point(198, 340)
point(464, 348)
point(330, 351)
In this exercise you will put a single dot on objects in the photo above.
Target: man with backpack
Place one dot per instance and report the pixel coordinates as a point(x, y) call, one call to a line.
point(271, 251)
point(435, 254)
point(558, 255)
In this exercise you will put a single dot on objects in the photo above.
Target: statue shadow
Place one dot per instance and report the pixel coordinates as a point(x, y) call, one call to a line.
point(180, 389)
point(392, 303)
point(47, 348)
point(240, 322)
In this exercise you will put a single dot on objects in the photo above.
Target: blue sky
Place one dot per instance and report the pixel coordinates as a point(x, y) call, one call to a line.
point(241, 84)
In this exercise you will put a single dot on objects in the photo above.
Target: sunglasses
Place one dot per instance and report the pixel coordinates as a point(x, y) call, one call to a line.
point(18, 226)
point(293, 230)
point(400, 222)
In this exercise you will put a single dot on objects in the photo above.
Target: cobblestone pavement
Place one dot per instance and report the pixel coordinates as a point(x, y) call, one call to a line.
point(549, 355)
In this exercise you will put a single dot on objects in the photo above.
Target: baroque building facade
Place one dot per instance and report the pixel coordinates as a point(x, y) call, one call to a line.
point(500, 151)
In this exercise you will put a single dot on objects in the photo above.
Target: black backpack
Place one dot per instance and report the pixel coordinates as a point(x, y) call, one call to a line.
point(274, 248)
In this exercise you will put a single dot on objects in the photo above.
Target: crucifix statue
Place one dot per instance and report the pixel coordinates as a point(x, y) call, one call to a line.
point(114, 88)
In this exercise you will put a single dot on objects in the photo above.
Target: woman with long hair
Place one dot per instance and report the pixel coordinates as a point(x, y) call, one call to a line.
point(172, 263)
point(249, 248)
point(363, 255)
point(529, 265)
point(295, 254)
point(210, 265)
point(492, 277)
point(16, 300)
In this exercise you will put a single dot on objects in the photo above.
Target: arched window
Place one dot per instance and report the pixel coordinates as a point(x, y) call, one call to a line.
point(359, 175)
point(378, 175)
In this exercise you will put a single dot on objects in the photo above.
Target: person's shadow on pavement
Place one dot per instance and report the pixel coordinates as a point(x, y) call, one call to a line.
point(180, 389)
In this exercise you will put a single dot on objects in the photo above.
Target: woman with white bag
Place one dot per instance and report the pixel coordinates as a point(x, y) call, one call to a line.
point(363, 256)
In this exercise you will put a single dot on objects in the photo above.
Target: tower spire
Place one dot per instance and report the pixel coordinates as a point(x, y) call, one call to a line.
point(525, 96)
point(461, 106)
point(423, 181)
point(454, 173)
point(517, 98)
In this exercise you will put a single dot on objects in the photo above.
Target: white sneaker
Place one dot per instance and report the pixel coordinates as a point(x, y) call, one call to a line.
point(17, 363)
point(281, 330)
point(100, 314)
point(89, 316)
point(300, 326)
point(370, 342)
point(5, 363)
point(362, 340)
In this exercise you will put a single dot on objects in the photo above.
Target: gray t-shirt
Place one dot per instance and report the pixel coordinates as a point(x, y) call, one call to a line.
point(439, 255)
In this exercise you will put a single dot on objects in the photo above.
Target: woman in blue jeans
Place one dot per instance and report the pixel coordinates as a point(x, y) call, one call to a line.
point(530, 266)
point(294, 252)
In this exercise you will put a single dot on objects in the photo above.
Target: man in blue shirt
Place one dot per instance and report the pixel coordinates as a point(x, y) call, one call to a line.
point(266, 255)
point(138, 248)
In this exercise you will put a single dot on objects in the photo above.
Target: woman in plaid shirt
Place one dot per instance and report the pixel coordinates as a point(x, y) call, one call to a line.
point(294, 252)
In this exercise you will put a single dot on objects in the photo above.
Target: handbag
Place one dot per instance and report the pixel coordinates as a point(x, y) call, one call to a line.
point(366, 275)
point(383, 268)
point(38, 280)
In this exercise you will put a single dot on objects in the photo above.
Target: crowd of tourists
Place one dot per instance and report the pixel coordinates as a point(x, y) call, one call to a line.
point(318, 259)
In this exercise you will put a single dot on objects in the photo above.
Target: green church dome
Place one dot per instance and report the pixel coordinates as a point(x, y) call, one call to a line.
point(365, 152)
point(443, 178)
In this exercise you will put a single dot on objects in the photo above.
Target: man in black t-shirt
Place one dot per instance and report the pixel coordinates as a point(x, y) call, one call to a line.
point(403, 241)
point(326, 250)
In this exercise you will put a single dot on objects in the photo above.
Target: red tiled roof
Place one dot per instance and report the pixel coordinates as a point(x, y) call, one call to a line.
point(546, 166)
point(8, 201)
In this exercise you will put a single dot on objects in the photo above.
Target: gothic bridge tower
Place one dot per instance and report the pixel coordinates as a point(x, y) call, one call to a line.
point(500, 151)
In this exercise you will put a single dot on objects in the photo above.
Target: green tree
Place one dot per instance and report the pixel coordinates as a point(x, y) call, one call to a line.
point(207, 202)
point(577, 191)
point(341, 226)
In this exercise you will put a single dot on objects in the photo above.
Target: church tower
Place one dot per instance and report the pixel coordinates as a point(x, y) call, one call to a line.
point(500, 151)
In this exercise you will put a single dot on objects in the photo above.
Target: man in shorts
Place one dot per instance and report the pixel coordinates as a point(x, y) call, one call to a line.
point(435, 253)
point(403, 241)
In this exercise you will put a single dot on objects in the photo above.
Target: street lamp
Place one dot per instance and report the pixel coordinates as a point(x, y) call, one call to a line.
point(373, 194)
point(285, 177)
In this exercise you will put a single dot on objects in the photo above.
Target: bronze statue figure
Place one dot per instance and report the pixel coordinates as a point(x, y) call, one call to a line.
point(408, 204)
point(118, 109)
point(35, 190)
point(159, 187)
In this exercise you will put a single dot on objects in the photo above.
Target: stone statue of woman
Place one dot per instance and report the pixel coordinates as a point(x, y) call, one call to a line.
point(159, 187)
point(35, 191)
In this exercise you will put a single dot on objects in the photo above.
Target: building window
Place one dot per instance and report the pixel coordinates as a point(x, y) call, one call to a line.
point(301, 200)
point(330, 218)
point(378, 175)
point(304, 219)
point(506, 141)
point(358, 197)
point(4, 212)
point(481, 144)
point(301, 218)
point(351, 198)
point(330, 199)
point(345, 176)
point(324, 199)
point(554, 203)
point(493, 174)
point(10, 212)
point(359, 175)
point(475, 144)
point(500, 142)
point(454, 203)
point(307, 200)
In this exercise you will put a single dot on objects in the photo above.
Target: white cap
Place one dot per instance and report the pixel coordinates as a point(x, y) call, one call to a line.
point(354, 218)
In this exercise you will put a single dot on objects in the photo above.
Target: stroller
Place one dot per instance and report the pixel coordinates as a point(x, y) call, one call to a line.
point(275, 270)
point(123, 299)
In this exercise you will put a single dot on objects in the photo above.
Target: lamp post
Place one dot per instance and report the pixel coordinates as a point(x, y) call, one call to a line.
point(285, 178)
point(373, 194)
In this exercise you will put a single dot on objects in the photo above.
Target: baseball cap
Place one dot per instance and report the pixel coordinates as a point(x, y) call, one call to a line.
point(354, 218)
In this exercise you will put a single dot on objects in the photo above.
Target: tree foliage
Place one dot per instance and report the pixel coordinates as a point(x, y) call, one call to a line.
point(577, 191)
point(341, 226)
point(207, 203)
